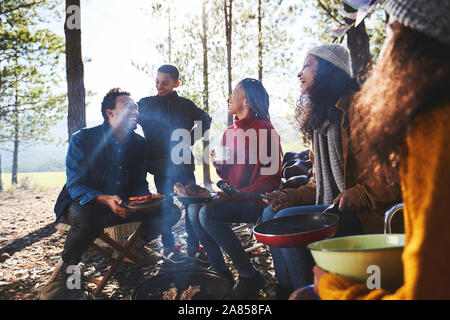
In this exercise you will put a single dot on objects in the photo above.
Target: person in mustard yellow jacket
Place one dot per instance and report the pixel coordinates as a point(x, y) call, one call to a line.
point(404, 117)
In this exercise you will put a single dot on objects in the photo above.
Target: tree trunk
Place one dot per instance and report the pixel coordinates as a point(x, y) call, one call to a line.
point(358, 45)
point(1, 182)
point(228, 8)
point(15, 163)
point(76, 118)
point(260, 44)
point(206, 167)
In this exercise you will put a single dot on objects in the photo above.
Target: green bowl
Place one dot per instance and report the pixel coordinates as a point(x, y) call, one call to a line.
point(364, 258)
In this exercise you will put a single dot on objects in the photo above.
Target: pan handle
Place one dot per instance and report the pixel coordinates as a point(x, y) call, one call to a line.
point(332, 208)
point(226, 187)
point(389, 215)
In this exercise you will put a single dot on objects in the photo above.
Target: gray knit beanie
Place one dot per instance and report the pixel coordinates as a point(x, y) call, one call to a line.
point(335, 54)
point(431, 17)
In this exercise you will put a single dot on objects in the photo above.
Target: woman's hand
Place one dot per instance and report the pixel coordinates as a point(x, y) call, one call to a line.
point(213, 157)
point(353, 199)
point(221, 197)
point(280, 200)
point(318, 273)
point(347, 201)
point(114, 202)
point(220, 155)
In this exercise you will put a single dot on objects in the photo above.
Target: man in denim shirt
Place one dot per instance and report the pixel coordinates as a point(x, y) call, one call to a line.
point(105, 166)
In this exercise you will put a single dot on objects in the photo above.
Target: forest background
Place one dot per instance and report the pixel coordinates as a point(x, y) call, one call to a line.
point(215, 44)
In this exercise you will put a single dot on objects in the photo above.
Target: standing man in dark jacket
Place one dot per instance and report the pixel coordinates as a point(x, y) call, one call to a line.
point(160, 116)
point(105, 166)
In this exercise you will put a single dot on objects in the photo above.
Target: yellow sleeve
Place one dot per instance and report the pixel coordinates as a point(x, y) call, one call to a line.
point(425, 179)
point(334, 287)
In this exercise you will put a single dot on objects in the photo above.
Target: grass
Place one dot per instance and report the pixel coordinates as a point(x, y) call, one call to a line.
point(40, 180)
point(33, 180)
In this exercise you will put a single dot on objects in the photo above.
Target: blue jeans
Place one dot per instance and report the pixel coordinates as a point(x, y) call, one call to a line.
point(164, 185)
point(210, 224)
point(293, 266)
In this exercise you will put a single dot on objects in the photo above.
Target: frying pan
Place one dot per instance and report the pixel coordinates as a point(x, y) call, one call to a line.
point(298, 230)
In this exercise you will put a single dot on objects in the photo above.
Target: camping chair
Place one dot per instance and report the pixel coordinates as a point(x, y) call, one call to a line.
point(124, 252)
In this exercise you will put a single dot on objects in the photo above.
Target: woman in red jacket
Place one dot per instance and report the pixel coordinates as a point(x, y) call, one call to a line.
point(253, 165)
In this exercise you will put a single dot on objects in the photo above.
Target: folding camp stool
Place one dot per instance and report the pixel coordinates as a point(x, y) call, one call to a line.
point(124, 252)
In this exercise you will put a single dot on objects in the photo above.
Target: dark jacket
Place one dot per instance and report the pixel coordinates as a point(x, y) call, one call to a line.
point(88, 161)
point(159, 117)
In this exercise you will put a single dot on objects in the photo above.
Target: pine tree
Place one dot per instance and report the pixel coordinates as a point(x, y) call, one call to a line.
point(29, 61)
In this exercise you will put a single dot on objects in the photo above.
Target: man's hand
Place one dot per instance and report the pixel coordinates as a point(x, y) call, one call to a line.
point(280, 200)
point(114, 203)
point(222, 197)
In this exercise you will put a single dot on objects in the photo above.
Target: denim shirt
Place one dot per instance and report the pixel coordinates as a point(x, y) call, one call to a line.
point(116, 166)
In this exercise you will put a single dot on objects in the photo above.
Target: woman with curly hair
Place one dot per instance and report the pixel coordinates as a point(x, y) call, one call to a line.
point(322, 114)
point(402, 117)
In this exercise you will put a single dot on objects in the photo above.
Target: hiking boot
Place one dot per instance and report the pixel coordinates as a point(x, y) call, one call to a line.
point(198, 254)
point(145, 256)
point(174, 254)
point(247, 288)
point(56, 287)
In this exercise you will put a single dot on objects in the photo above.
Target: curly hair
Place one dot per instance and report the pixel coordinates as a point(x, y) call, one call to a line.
point(109, 101)
point(412, 76)
point(315, 107)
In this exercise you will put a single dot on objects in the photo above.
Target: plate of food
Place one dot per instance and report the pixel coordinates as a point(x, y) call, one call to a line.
point(192, 193)
point(150, 201)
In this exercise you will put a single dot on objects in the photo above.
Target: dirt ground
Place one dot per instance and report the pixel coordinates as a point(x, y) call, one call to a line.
point(30, 248)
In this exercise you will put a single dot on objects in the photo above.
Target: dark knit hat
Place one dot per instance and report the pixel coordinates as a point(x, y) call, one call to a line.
point(431, 17)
